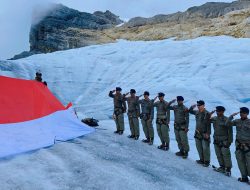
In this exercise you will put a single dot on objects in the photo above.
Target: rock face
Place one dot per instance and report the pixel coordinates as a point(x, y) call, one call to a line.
point(64, 28)
point(235, 23)
point(207, 11)
point(59, 30)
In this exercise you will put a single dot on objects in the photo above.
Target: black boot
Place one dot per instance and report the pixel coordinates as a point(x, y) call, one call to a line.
point(185, 154)
point(116, 131)
point(131, 136)
point(151, 141)
point(145, 140)
point(120, 132)
point(243, 179)
point(220, 169)
point(136, 137)
point(228, 172)
point(206, 163)
point(161, 146)
point(200, 161)
point(180, 153)
point(166, 147)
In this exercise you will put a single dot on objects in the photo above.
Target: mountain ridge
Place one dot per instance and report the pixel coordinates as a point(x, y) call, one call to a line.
point(65, 28)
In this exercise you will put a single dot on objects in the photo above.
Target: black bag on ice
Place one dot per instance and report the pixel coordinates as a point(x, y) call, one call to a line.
point(90, 122)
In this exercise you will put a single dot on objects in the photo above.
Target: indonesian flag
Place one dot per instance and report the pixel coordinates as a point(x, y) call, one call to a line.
point(31, 117)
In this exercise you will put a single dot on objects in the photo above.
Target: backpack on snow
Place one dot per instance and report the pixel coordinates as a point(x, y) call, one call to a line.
point(91, 122)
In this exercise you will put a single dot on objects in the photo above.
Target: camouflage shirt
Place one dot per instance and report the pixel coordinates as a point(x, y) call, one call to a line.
point(147, 107)
point(203, 124)
point(181, 115)
point(222, 131)
point(242, 129)
point(133, 105)
point(163, 111)
point(119, 102)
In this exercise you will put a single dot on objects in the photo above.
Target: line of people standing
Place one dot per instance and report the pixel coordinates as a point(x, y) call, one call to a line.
point(223, 133)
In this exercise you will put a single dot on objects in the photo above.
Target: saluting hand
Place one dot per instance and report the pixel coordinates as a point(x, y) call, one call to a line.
point(234, 114)
point(193, 106)
point(172, 101)
point(212, 112)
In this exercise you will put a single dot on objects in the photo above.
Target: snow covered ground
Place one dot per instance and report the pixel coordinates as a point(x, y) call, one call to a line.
point(106, 161)
point(215, 69)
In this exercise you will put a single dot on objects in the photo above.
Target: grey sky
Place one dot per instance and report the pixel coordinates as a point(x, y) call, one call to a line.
point(15, 15)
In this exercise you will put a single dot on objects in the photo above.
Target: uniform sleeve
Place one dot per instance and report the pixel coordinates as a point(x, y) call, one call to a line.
point(230, 134)
point(111, 95)
point(208, 123)
point(213, 119)
point(152, 110)
point(186, 117)
point(124, 105)
point(230, 121)
point(155, 104)
point(192, 111)
point(171, 107)
point(168, 111)
point(124, 97)
point(168, 115)
point(137, 106)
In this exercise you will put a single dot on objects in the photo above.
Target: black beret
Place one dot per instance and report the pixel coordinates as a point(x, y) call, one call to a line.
point(38, 74)
point(118, 89)
point(160, 94)
point(244, 110)
point(180, 98)
point(200, 103)
point(146, 93)
point(132, 91)
point(220, 108)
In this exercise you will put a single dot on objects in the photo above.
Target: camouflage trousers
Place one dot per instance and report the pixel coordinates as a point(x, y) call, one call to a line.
point(203, 148)
point(223, 154)
point(134, 126)
point(182, 139)
point(119, 121)
point(147, 128)
point(243, 160)
point(163, 130)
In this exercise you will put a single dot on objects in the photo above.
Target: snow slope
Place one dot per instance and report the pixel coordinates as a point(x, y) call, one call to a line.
point(107, 161)
point(215, 69)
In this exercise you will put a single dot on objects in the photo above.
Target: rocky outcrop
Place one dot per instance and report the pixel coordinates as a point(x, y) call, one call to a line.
point(235, 23)
point(64, 28)
point(207, 11)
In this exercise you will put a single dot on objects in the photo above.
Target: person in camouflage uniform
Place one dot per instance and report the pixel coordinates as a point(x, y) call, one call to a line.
point(133, 114)
point(162, 120)
point(223, 138)
point(181, 122)
point(147, 116)
point(202, 132)
point(119, 109)
point(242, 142)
